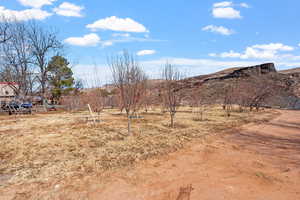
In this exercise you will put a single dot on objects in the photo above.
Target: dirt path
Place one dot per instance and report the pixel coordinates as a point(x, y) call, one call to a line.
point(258, 162)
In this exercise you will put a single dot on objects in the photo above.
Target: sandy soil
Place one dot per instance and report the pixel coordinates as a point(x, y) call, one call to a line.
point(257, 162)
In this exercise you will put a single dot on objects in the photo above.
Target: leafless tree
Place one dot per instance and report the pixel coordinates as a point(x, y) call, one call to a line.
point(150, 99)
point(200, 99)
point(4, 29)
point(130, 80)
point(223, 93)
point(16, 66)
point(44, 44)
point(257, 90)
point(248, 92)
point(170, 93)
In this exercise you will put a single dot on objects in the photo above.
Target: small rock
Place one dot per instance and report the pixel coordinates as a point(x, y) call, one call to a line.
point(56, 187)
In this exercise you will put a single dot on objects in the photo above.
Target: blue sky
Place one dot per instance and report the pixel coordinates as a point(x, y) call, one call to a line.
point(198, 36)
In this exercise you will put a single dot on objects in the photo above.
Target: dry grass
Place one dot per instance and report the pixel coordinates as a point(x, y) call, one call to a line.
point(45, 146)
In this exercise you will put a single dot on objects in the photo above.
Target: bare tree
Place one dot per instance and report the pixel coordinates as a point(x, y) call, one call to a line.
point(170, 93)
point(247, 92)
point(16, 59)
point(130, 80)
point(4, 30)
point(44, 44)
point(150, 98)
point(257, 90)
point(224, 93)
point(200, 98)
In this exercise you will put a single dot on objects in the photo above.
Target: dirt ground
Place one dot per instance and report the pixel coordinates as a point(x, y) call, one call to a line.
point(41, 148)
point(259, 161)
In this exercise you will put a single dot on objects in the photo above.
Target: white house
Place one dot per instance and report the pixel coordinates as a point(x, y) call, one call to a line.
point(6, 90)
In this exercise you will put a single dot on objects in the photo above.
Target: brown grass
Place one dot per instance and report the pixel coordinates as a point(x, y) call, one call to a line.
point(44, 146)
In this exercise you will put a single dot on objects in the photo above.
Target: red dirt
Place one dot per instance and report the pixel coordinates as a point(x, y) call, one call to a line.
point(257, 162)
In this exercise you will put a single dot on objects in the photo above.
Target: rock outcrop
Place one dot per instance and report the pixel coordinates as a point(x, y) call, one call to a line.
point(238, 72)
point(289, 79)
point(294, 76)
point(247, 71)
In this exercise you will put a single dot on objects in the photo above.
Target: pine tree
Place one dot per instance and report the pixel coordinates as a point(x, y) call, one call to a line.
point(61, 79)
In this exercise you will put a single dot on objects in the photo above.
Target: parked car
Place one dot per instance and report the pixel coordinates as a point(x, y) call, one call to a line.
point(15, 107)
point(26, 105)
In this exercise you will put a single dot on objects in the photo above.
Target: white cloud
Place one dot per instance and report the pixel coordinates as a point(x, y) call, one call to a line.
point(36, 3)
point(125, 39)
point(255, 53)
point(69, 10)
point(230, 54)
point(244, 5)
point(145, 52)
point(218, 29)
point(24, 15)
point(118, 24)
point(87, 40)
point(222, 4)
point(274, 47)
point(107, 43)
point(121, 35)
point(229, 4)
point(259, 51)
point(213, 54)
point(226, 12)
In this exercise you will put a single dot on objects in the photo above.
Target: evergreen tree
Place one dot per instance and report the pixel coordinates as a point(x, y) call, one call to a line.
point(60, 78)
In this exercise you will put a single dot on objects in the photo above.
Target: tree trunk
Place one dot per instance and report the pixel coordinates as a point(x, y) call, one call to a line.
point(43, 95)
point(202, 110)
point(172, 120)
point(240, 108)
point(201, 115)
point(251, 108)
point(228, 111)
point(129, 125)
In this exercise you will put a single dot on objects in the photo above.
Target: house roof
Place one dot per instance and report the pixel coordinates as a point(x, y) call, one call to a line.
point(8, 83)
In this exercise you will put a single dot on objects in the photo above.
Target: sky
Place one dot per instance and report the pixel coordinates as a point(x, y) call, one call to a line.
point(199, 37)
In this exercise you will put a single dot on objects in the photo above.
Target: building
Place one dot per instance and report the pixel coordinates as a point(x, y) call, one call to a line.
point(7, 92)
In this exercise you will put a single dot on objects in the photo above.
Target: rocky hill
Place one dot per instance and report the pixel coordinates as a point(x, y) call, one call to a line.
point(288, 79)
point(294, 76)
point(238, 72)
point(293, 72)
